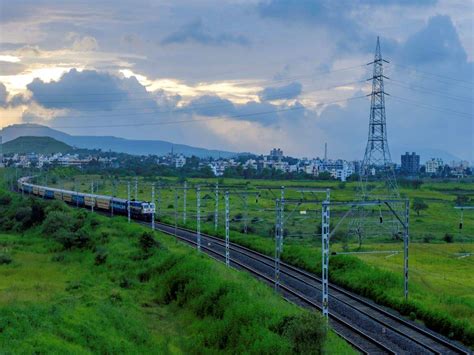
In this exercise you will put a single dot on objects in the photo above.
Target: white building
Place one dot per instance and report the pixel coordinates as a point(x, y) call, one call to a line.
point(179, 161)
point(432, 166)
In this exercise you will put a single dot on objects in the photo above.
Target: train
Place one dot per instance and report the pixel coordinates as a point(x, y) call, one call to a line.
point(142, 210)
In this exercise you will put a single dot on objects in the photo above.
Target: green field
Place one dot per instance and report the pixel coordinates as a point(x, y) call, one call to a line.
point(76, 282)
point(441, 280)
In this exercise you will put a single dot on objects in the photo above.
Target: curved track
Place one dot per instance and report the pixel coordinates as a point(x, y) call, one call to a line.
point(367, 326)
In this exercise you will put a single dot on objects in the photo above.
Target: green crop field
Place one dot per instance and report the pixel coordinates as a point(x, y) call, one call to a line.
point(441, 262)
point(75, 282)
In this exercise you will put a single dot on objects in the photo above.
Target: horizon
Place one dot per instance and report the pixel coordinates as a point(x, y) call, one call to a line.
point(423, 159)
point(287, 74)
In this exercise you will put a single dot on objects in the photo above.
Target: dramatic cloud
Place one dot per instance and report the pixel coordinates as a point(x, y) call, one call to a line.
point(249, 74)
point(79, 90)
point(285, 92)
point(437, 42)
point(196, 32)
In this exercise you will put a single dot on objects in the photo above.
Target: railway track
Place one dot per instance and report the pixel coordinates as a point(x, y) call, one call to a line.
point(368, 327)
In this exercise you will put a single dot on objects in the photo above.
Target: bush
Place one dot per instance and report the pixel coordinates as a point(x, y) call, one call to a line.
point(147, 243)
point(57, 220)
point(23, 215)
point(100, 256)
point(5, 199)
point(448, 238)
point(306, 332)
point(428, 238)
point(5, 259)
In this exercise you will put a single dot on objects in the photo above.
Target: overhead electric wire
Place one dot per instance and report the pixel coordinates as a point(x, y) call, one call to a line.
point(256, 82)
point(135, 124)
point(429, 91)
point(190, 108)
point(276, 95)
point(470, 82)
point(434, 108)
point(441, 80)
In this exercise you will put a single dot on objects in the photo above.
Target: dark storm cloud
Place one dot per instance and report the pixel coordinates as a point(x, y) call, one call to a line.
point(324, 11)
point(314, 12)
point(428, 89)
point(79, 90)
point(438, 41)
point(196, 32)
point(264, 113)
point(289, 91)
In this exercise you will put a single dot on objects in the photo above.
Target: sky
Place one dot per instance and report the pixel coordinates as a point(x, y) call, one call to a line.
point(243, 75)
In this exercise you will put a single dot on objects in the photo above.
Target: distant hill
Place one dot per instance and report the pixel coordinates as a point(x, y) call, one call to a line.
point(106, 143)
point(40, 145)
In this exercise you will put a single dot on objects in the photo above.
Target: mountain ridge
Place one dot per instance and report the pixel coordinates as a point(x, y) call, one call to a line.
point(112, 143)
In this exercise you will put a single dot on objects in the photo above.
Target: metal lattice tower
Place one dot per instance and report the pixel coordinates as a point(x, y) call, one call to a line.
point(377, 165)
point(377, 161)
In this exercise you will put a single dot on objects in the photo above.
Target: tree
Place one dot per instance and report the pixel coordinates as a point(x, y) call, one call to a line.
point(419, 205)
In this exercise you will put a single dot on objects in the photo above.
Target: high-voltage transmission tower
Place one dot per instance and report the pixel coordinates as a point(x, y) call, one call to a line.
point(377, 164)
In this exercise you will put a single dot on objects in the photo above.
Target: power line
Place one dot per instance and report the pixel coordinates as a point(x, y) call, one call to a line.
point(190, 108)
point(434, 108)
point(470, 82)
point(206, 119)
point(429, 91)
point(435, 77)
point(251, 83)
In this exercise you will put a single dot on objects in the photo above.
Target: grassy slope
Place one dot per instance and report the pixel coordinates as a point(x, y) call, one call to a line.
point(439, 282)
point(40, 145)
point(60, 301)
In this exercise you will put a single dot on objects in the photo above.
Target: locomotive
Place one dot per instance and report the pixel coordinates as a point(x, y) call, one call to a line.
point(138, 209)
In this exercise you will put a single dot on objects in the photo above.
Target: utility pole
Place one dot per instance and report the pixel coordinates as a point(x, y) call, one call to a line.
point(92, 197)
point(128, 201)
point(278, 243)
point(216, 210)
point(113, 196)
point(246, 213)
point(184, 201)
point(136, 189)
point(158, 201)
point(153, 202)
point(175, 210)
point(227, 228)
point(282, 216)
point(198, 217)
point(406, 240)
point(325, 258)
